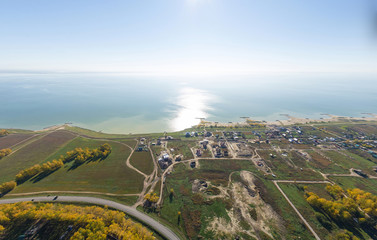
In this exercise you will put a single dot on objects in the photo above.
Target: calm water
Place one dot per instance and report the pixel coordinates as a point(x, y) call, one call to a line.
point(149, 104)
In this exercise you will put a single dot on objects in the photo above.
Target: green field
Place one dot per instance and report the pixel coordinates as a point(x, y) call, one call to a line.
point(94, 134)
point(324, 164)
point(349, 160)
point(36, 152)
point(142, 161)
point(369, 185)
point(289, 167)
point(182, 147)
point(110, 175)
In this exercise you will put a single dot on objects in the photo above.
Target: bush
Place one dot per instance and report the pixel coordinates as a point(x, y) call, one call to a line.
point(5, 152)
point(198, 199)
point(192, 221)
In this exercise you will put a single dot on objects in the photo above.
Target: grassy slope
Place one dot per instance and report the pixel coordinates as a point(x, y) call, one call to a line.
point(13, 139)
point(284, 169)
point(142, 161)
point(296, 195)
point(369, 185)
point(91, 133)
point(347, 163)
point(182, 147)
point(33, 153)
point(110, 175)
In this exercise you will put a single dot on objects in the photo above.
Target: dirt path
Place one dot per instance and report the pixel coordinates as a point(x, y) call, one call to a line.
point(295, 209)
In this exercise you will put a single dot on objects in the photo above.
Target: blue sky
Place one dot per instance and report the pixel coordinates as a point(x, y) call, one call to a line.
point(187, 36)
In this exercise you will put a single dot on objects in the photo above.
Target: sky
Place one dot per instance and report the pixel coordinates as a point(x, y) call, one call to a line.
point(188, 36)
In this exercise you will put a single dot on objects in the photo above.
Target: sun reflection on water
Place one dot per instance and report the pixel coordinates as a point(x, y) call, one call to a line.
point(192, 104)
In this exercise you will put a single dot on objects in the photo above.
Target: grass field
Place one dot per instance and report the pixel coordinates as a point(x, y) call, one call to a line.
point(289, 167)
point(369, 185)
point(91, 133)
point(35, 152)
point(349, 160)
point(142, 161)
point(13, 139)
point(182, 147)
point(110, 175)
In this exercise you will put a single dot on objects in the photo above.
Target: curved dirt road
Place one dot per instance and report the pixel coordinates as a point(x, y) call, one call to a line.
point(164, 231)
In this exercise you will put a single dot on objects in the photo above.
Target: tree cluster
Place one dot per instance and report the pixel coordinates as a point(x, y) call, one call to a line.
point(3, 132)
point(5, 152)
point(28, 173)
point(151, 200)
point(355, 207)
point(343, 235)
point(7, 187)
point(365, 200)
point(92, 222)
point(80, 155)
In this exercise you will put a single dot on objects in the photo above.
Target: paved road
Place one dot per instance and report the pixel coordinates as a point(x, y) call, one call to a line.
point(164, 231)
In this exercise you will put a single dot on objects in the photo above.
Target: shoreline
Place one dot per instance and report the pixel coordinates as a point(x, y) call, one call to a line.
point(291, 120)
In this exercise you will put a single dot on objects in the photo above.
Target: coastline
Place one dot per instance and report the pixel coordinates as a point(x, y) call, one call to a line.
point(291, 120)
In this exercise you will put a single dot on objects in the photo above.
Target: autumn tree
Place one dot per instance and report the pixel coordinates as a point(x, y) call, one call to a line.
point(3, 132)
point(335, 191)
point(171, 194)
point(93, 222)
point(7, 187)
point(150, 202)
point(179, 217)
point(343, 235)
point(5, 152)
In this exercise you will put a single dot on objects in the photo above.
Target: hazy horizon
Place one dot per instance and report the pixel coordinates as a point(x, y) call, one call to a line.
point(188, 37)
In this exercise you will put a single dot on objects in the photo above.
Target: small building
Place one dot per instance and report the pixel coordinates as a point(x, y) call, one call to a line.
point(226, 153)
point(198, 153)
point(361, 173)
point(193, 164)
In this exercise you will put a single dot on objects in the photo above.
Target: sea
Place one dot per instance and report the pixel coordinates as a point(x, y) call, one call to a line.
point(140, 103)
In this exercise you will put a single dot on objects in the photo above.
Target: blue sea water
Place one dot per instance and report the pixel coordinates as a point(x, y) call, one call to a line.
point(135, 104)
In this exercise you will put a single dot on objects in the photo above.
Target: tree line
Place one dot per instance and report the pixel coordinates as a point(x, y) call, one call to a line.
point(28, 173)
point(90, 222)
point(80, 155)
point(5, 152)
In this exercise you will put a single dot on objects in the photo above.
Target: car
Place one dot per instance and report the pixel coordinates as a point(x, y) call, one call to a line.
point(56, 197)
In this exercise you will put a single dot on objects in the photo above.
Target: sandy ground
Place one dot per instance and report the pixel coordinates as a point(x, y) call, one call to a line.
point(264, 219)
point(294, 120)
